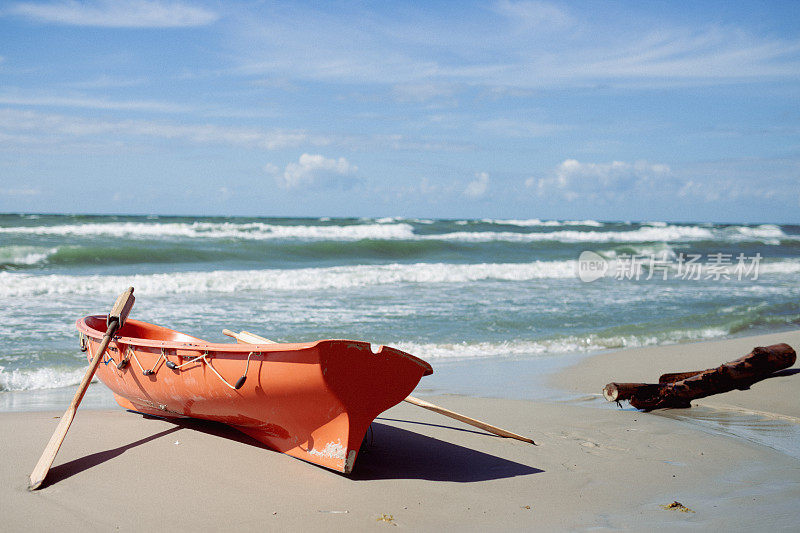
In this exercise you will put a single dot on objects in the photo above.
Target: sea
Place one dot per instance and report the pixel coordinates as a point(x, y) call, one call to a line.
point(493, 305)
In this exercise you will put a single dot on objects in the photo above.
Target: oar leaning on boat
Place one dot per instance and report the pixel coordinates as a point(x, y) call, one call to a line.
point(246, 337)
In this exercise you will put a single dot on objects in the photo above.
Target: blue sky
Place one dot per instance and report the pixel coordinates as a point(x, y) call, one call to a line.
point(606, 110)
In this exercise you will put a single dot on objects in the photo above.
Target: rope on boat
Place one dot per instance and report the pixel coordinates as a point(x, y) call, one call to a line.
point(130, 352)
point(242, 379)
point(151, 371)
point(88, 349)
point(175, 367)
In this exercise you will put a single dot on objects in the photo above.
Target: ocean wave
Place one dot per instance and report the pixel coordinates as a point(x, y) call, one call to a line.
point(660, 251)
point(131, 253)
point(304, 279)
point(666, 263)
point(14, 255)
point(221, 230)
point(17, 284)
point(767, 233)
point(644, 234)
point(535, 222)
point(391, 229)
point(779, 267)
point(39, 378)
point(554, 346)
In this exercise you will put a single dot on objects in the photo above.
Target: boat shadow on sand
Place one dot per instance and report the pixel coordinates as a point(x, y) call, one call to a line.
point(388, 452)
point(76, 466)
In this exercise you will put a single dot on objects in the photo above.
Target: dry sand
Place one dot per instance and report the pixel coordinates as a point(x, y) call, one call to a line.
point(595, 467)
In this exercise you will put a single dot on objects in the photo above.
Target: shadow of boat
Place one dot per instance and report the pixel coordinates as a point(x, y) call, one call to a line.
point(388, 452)
point(396, 453)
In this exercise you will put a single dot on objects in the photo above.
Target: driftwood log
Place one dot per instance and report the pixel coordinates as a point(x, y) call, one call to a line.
point(680, 388)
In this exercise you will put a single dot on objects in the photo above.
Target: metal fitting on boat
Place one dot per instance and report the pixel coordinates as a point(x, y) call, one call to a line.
point(83, 342)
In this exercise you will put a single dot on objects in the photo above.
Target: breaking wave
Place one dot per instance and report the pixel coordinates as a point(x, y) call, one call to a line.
point(554, 346)
point(16, 284)
point(302, 279)
point(391, 230)
point(39, 378)
point(220, 230)
point(15, 256)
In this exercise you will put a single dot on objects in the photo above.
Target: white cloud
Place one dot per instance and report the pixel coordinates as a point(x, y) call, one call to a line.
point(117, 13)
point(478, 187)
point(313, 170)
point(104, 81)
point(48, 126)
point(711, 183)
point(505, 127)
point(421, 92)
point(33, 127)
point(573, 180)
point(529, 15)
point(92, 103)
point(513, 44)
point(20, 192)
point(742, 179)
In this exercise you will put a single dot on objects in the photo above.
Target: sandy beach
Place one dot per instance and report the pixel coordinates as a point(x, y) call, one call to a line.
point(594, 467)
point(533, 199)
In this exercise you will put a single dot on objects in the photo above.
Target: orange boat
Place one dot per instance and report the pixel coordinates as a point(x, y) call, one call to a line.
point(312, 400)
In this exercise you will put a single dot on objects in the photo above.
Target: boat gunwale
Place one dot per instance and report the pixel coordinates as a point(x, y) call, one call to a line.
point(237, 348)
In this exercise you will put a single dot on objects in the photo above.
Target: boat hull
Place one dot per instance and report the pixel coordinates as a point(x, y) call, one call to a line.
point(313, 401)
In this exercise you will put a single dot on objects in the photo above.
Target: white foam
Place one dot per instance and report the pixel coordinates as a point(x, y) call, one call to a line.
point(20, 284)
point(534, 222)
point(222, 230)
point(391, 229)
point(555, 346)
point(591, 223)
point(658, 251)
point(643, 234)
point(779, 267)
point(304, 279)
point(514, 222)
point(40, 378)
point(766, 233)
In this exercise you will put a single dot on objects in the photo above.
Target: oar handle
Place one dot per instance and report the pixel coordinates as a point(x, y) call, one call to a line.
point(246, 337)
point(467, 420)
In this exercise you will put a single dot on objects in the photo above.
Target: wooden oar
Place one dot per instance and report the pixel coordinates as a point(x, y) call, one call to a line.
point(251, 338)
point(467, 420)
point(247, 337)
point(116, 319)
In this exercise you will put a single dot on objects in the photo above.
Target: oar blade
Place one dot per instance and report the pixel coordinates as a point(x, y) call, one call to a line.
point(49, 454)
point(116, 318)
point(122, 308)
